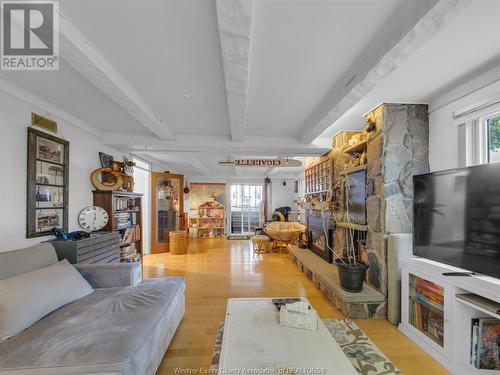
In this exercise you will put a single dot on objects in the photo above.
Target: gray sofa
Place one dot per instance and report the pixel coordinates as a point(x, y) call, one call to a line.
point(123, 327)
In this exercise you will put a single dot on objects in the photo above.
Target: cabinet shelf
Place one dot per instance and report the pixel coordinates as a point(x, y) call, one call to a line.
point(480, 303)
point(466, 299)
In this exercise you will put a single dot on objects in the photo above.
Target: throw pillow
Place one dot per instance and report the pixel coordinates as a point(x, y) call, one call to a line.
point(26, 298)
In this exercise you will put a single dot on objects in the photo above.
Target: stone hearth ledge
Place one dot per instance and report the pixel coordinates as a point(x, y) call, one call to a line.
point(368, 304)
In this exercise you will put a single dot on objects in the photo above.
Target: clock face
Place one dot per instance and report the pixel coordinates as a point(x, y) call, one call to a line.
point(93, 218)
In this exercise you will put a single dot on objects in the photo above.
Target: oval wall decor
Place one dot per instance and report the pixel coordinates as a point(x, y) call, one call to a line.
point(106, 179)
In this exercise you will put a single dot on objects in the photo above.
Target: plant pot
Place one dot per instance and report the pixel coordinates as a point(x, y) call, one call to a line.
point(351, 276)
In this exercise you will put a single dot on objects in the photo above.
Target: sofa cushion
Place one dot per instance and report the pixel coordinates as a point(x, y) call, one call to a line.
point(106, 331)
point(17, 262)
point(26, 298)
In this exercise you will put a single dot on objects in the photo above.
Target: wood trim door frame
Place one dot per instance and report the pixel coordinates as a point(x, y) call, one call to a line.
point(164, 247)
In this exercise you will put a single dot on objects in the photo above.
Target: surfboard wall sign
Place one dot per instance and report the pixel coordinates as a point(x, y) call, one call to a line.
point(262, 163)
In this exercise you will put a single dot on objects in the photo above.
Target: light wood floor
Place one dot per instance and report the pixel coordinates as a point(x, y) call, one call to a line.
point(217, 269)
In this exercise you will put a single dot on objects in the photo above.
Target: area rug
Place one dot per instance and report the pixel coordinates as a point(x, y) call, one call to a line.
point(366, 358)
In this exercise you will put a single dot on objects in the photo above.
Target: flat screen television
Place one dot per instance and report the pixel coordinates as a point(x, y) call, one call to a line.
point(357, 196)
point(456, 218)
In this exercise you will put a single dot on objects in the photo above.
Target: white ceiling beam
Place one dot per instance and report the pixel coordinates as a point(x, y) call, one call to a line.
point(234, 20)
point(198, 165)
point(386, 52)
point(79, 52)
point(253, 145)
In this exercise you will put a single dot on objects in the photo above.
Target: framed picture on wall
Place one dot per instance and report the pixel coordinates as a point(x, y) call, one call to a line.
point(47, 184)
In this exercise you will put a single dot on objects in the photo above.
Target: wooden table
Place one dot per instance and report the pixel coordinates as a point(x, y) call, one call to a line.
point(253, 340)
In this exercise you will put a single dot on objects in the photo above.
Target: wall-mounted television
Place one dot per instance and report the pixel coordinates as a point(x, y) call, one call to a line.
point(357, 196)
point(457, 218)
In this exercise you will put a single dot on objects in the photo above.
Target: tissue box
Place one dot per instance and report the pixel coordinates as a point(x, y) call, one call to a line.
point(298, 315)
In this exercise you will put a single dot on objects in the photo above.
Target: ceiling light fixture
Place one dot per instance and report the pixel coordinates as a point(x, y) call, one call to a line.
point(188, 96)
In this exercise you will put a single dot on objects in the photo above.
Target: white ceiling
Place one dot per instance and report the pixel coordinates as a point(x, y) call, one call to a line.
point(470, 41)
point(150, 75)
point(300, 49)
point(165, 49)
point(69, 90)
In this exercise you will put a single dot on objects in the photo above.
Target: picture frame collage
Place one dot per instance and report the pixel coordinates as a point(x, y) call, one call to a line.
point(48, 167)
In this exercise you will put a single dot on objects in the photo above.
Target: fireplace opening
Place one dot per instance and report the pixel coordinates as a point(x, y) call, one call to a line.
point(320, 237)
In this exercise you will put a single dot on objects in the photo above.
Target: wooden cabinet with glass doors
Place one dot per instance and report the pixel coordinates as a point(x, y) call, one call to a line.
point(167, 208)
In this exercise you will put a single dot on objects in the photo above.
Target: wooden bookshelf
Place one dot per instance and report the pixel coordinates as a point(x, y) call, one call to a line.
point(125, 216)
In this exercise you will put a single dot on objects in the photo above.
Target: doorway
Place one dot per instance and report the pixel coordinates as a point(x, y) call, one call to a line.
point(167, 208)
point(246, 201)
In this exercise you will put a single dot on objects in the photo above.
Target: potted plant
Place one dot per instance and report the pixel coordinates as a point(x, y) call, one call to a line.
point(351, 269)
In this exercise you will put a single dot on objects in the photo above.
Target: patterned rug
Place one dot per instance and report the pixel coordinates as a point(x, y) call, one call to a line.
point(366, 358)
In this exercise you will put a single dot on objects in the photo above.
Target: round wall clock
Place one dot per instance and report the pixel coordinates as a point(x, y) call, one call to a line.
point(93, 218)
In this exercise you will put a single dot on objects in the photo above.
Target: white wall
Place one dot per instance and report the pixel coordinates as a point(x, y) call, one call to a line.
point(443, 131)
point(142, 185)
point(15, 117)
point(282, 195)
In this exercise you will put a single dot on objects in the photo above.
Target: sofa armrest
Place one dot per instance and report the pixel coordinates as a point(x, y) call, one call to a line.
point(111, 275)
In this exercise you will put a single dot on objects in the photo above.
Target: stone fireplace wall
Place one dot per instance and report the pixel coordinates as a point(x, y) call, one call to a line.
point(397, 149)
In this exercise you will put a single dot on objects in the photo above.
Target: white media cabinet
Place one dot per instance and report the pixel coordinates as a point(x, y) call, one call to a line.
point(454, 353)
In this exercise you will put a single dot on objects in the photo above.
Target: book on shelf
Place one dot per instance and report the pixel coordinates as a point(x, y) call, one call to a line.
point(137, 232)
point(437, 306)
point(474, 336)
point(429, 286)
point(123, 203)
point(426, 308)
point(430, 295)
point(128, 236)
point(485, 343)
point(435, 328)
point(128, 250)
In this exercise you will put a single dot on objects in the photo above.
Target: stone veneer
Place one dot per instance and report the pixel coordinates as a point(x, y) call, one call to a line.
point(397, 149)
point(367, 304)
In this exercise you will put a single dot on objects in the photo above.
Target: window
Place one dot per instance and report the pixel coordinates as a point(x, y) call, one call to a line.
point(493, 127)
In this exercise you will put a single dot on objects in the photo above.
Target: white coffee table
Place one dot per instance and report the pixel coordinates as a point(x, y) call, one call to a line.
point(253, 340)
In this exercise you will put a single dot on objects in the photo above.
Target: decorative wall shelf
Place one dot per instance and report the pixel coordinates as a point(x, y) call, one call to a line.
point(354, 226)
point(355, 169)
point(357, 148)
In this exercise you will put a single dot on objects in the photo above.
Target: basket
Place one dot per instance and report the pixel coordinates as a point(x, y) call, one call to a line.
point(284, 231)
point(178, 242)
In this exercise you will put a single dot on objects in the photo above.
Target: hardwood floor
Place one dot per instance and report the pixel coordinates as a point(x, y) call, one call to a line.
point(217, 269)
